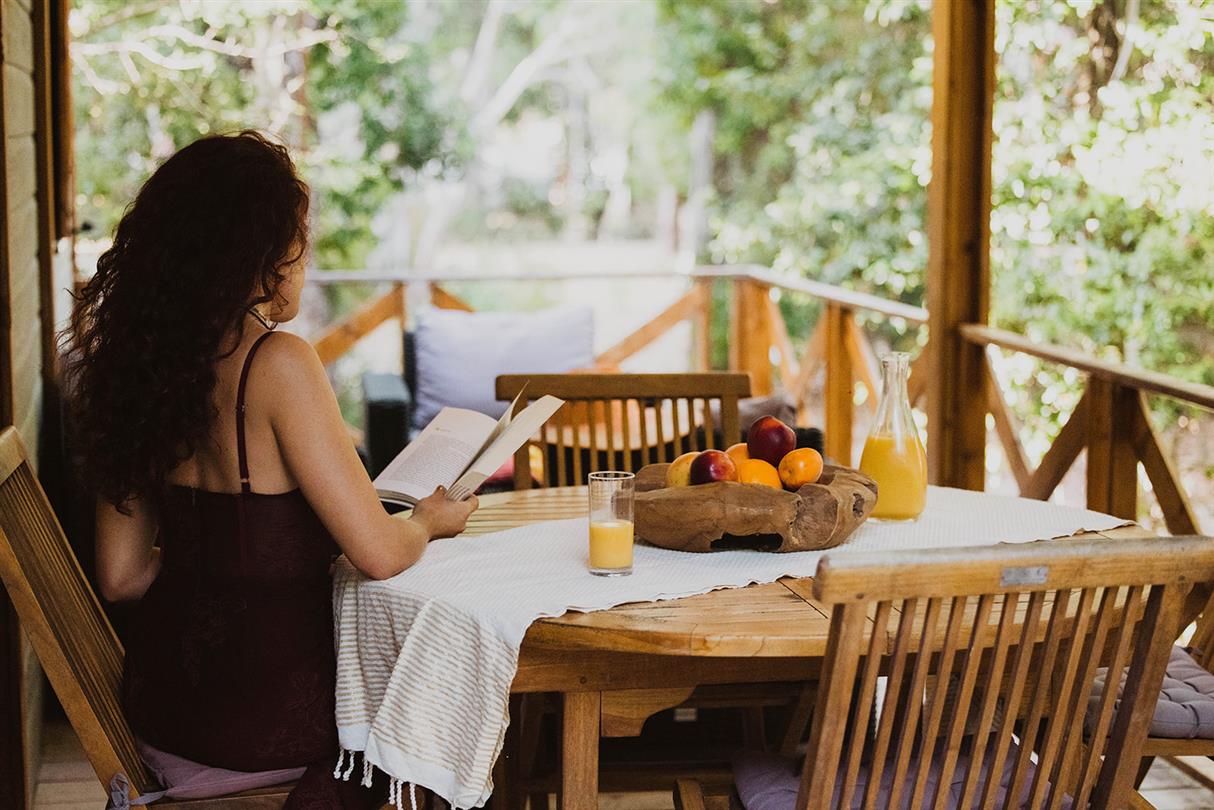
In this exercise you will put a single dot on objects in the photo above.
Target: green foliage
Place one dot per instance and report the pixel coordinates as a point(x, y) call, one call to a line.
point(1103, 223)
point(821, 165)
point(150, 79)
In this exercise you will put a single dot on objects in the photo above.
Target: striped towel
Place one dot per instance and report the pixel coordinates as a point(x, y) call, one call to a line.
point(425, 659)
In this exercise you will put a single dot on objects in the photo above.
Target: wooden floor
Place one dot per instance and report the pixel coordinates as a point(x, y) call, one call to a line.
point(66, 782)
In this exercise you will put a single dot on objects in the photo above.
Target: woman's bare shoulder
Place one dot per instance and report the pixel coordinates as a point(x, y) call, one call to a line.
point(288, 363)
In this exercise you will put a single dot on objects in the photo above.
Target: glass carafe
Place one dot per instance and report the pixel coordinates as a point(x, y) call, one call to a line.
point(893, 454)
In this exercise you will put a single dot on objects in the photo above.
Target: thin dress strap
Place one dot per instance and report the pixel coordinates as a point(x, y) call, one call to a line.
point(241, 453)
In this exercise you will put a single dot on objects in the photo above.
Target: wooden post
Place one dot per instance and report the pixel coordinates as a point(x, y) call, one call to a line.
point(838, 393)
point(959, 206)
point(580, 751)
point(701, 326)
point(1112, 463)
point(750, 347)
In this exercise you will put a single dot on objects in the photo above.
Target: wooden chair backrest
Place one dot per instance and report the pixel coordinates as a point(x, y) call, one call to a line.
point(971, 635)
point(71, 635)
point(623, 421)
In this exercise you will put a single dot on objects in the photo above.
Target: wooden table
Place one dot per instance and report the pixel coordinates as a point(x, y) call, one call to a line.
point(614, 668)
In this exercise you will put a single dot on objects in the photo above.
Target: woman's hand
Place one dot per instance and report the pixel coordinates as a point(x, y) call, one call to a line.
point(441, 516)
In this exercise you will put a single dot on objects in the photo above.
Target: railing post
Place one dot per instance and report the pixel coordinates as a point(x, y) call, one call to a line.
point(838, 393)
point(959, 209)
point(750, 348)
point(702, 327)
point(1112, 463)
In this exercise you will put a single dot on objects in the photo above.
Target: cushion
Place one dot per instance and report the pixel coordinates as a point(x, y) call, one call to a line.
point(185, 779)
point(1185, 708)
point(460, 354)
point(770, 782)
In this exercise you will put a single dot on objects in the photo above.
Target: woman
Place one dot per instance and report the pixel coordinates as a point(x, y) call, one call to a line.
point(226, 480)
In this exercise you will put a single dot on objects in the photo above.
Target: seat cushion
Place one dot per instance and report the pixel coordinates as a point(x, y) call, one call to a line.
point(770, 782)
point(185, 779)
point(1185, 708)
point(460, 354)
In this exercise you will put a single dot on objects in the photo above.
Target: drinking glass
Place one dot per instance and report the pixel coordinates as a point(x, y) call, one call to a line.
point(611, 496)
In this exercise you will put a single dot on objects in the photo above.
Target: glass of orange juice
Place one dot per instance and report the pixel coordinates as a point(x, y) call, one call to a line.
point(893, 454)
point(611, 496)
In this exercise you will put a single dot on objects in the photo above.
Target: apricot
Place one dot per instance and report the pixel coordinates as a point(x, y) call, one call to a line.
point(758, 471)
point(800, 467)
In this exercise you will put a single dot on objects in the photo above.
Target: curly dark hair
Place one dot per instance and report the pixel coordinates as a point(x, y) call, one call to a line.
point(208, 236)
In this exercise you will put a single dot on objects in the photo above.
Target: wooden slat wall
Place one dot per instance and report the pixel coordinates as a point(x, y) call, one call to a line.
point(21, 355)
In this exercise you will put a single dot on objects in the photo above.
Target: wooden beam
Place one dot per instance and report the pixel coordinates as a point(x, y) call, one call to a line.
point(838, 394)
point(1127, 376)
point(1061, 455)
point(341, 336)
point(442, 299)
point(1112, 463)
point(1173, 500)
point(959, 206)
point(48, 192)
point(750, 348)
point(687, 306)
point(702, 328)
point(1007, 429)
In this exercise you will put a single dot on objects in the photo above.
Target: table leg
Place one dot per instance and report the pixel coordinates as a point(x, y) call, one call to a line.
point(580, 751)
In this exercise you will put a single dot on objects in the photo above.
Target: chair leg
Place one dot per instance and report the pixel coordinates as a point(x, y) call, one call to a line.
point(688, 795)
point(1144, 765)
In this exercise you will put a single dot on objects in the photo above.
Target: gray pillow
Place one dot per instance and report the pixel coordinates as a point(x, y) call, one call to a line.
point(1185, 708)
point(460, 354)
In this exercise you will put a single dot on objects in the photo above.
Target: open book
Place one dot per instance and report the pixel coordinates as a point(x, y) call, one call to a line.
point(458, 450)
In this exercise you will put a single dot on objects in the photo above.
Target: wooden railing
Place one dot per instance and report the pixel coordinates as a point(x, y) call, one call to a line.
point(837, 346)
point(1111, 421)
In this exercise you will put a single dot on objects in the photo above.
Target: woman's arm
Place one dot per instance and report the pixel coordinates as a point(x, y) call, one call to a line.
point(317, 450)
point(127, 558)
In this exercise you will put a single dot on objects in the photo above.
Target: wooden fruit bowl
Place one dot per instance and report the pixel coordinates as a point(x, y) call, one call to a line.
point(729, 515)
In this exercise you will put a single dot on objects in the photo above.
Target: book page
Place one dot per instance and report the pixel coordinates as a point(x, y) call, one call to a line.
point(439, 454)
point(514, 435)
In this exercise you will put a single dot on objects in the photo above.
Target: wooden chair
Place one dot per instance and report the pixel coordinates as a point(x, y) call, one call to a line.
point(624, 421)
point(966, 637)
point(71, 635)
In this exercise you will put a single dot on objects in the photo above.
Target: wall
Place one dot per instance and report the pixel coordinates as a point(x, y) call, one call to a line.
point(20, 291)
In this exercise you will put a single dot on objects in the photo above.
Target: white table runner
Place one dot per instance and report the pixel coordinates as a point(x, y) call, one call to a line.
point(425, 659)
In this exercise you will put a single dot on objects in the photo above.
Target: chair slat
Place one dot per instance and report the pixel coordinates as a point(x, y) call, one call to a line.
point(605, 429)
point(960, 717)
point(693, 408)
point(991, 691)
point(1015, 691)
point(864, 703)
point(885, 725)
point(63, 619)
point(1041, 687)
point(914, 700)
point(1056, 724)
point(1089, 769)
point(1072, 743)
point(710, 430)
point(944, 668)
point(1159, 627)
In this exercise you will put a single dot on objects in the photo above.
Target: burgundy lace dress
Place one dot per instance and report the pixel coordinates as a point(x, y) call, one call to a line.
point(231, 661)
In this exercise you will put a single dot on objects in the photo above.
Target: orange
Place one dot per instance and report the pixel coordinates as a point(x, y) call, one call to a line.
point(800, 467)
point(758, 471)
point(738, 453)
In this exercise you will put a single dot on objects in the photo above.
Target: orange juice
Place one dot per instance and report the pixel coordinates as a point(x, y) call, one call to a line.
point(899, 466)
point(611, 544)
